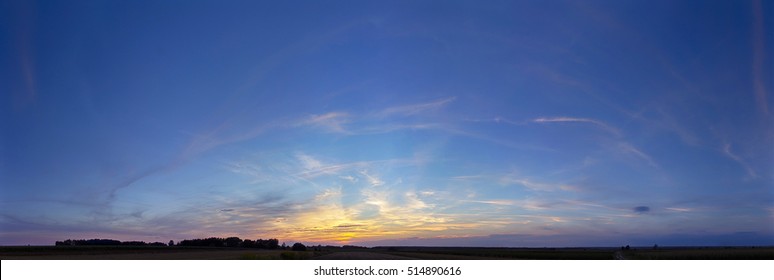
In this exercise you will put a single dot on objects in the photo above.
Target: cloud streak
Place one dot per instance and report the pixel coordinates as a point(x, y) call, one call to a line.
point(414, 109)
point(627, 148)
point(331, 122)
point(600, 124)
point(535, 186)
point(750, 171)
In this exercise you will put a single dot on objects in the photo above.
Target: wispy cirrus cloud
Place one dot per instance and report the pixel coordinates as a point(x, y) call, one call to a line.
point(512, 179)
point(226, 132)
point(678, 209)
point(600, 124)
point(331, 122)
point(305, 169)
point(349, 178)
point(467, 177)
point(728, 153)
point(627, 148)
point(372, 179)
point(672, 124)
point(414, 109)
point(312, 167)
point(372, 122)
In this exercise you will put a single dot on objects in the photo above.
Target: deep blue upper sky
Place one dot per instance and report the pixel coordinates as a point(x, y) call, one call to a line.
point(495, 123)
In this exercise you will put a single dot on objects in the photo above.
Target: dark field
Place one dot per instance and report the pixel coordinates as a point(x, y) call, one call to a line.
point(461, 253)
point(709, 253)
point(665, 253)
point(381, 253)
point(145, 253)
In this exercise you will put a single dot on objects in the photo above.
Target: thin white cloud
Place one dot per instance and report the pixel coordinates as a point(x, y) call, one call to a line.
point(669, 123)
point(334, 193)
point(219, 136)
point(373, 180)
point(308, 162)
point(336, 122)
point(349, 178)
point(391, 127)
point(727, 151)
point(603, 125)
point(248, 169)
point(512, 179)
point(526, 204)
point(505, 120)
point(499, 202)
point(631, 150)
point(324, 170)
point(427, 193)
point(413, 109)
point(414, 202)
point(332, 121)
point(312, 167)
point(678, 209)
point(467, 177)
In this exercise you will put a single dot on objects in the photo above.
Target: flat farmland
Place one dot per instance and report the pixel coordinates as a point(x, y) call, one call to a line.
point(145, 253)
point(709, 253)
point(381, 253)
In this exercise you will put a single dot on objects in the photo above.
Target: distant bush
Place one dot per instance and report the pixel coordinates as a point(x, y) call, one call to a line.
point(299, 247)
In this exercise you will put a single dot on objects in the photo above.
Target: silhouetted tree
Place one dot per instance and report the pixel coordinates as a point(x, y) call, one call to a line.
point(233, 242)
point(299, 247)
point(272, 244)
point(207, 242)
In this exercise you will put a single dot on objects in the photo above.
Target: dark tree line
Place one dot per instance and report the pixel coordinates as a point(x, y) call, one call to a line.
point(231, 242)
point(234, 242)
point(105, 242)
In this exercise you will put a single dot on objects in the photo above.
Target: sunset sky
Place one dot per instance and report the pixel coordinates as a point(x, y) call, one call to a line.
point(467, 123)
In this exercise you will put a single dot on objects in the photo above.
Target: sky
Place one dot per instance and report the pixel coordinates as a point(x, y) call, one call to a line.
point(436, 123)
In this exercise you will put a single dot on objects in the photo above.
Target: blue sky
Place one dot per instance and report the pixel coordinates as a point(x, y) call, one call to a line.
point(498, 123)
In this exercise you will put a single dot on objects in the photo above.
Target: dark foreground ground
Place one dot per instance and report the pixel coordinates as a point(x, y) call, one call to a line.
point(382, 253)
